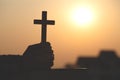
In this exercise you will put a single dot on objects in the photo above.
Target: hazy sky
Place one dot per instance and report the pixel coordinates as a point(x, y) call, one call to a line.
point(68, 40)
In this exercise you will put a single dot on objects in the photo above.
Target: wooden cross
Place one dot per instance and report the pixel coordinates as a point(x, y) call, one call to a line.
point(44, 22)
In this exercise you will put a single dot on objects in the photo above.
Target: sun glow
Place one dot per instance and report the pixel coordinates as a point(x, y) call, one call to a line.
point(82, 16)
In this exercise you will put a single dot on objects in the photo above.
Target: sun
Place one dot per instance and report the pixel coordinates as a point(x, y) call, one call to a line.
point(82, 16)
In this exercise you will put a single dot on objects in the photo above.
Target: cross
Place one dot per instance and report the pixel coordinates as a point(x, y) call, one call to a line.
point(44, 22)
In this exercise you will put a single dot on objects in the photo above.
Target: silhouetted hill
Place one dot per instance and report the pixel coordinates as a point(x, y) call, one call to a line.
point(10, 63)
point(105, 60)
point(105, 67)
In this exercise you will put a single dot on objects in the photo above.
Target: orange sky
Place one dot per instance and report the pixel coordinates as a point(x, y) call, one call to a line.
point(68, 40)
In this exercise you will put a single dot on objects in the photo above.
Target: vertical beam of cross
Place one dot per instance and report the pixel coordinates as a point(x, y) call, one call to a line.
point(44, 22)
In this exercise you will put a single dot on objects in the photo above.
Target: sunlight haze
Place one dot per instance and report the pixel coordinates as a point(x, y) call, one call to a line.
point(100, 27)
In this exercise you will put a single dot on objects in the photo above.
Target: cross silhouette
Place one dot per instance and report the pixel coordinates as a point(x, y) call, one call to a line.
point(44, 22)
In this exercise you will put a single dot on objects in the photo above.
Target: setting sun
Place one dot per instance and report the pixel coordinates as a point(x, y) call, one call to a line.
point(82, 16)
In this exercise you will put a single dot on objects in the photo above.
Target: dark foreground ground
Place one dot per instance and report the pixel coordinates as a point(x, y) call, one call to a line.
point(61, 74)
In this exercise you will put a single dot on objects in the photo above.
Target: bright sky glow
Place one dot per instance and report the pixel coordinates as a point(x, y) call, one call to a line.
point(82, 16)
point(82, 27)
